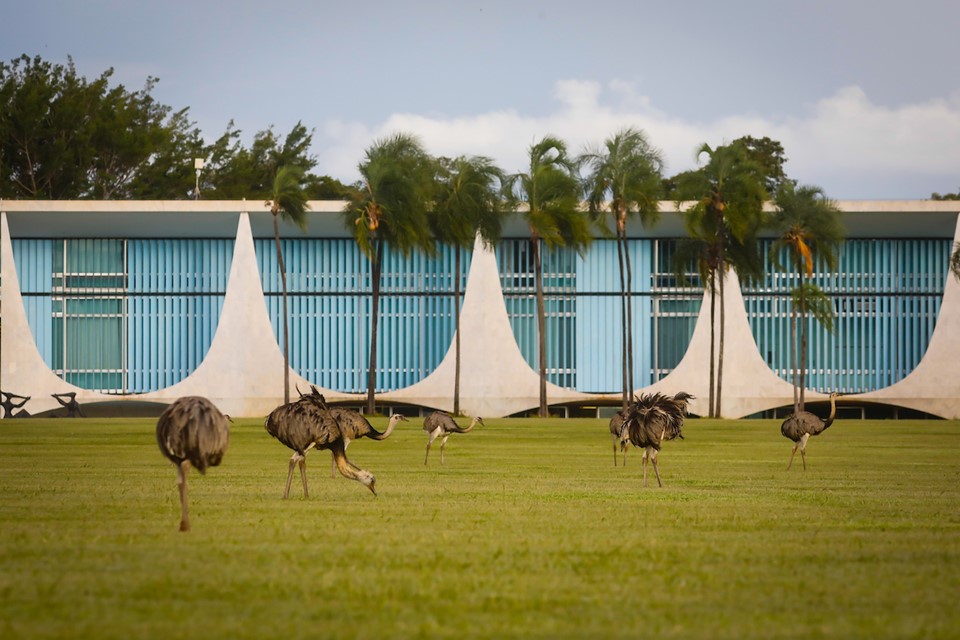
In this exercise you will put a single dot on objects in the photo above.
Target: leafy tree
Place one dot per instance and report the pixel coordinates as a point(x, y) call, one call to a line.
point(945, 196)
point(625, 180)
point(955, 261)
point(468, 202)
point(768, 154)
point(550, 191)
point(288, 201)
point(236, 171)
point(722, 223)
point(390, 207)
point(808, 227)
point(62, 136)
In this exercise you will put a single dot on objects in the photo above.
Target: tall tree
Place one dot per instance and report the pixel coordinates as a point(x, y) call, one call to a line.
point(550, 191)
point(468, 202)
point(625, 179)
point(769, 154)
point(955, 261)
point(809, 228)
point(727, 195)
point(288, 201)
point(397, 185)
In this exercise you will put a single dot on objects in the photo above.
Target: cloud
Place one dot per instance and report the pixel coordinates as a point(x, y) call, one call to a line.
point(844, 143)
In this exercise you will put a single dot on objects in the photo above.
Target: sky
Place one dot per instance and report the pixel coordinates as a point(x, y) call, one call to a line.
point(864, 95)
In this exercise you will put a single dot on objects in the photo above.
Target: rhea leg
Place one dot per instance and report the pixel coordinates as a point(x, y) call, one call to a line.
point(443, 443)
point(656, 467)
point(293, 462)
point(182, 484)
point(303, 474)
point(793, 452)
point(803, 449)
point(643, 460)
point(433, 436)
point(614, 438)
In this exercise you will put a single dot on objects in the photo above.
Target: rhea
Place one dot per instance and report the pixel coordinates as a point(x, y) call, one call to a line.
point(800, 426)
point(192, 431)
point(307, 424)
point(440, 424)
point(653, 419)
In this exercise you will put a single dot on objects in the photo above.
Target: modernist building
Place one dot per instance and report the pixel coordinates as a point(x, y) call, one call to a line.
point(149, 301)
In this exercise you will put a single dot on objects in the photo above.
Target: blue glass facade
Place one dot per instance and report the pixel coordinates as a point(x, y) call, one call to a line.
point(886, 296)
point(137, 315)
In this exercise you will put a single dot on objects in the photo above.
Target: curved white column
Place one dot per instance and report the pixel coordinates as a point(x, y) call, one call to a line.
point(749, 385)
point(22, 368)
point(242, 372)
point(934, 385)
point(495, 379)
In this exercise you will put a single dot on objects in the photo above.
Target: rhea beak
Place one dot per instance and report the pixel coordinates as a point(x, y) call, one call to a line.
point(372, 487)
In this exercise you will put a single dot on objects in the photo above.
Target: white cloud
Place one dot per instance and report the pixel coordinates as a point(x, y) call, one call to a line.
point(841, 142)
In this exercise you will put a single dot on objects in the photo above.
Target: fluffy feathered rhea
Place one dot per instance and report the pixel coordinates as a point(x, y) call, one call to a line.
point(191, 431)
point(652, 419)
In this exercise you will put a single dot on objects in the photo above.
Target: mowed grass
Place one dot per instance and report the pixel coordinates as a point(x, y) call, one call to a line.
point(527, 531)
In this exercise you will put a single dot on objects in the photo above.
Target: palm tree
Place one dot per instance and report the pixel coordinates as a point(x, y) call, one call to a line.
point(550, 191)
point(469, 201)
point(726, 214)
point(287, 200)
point(390, 207)
point(808, 228)
point(625, 178)
point(955, 261)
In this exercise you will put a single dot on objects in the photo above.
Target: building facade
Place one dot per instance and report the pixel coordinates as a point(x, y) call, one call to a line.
point(148, 301)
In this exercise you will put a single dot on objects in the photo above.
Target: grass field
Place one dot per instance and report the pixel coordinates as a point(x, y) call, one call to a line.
point(527, 531)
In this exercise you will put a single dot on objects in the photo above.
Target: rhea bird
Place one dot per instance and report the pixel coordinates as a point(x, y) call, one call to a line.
point(354, 426)
point(652, 419)
point(307, 424)
point(440, 424)
point(617, 422)
point(192, 431)
point(800, 426)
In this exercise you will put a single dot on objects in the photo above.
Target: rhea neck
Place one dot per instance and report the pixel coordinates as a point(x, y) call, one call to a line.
point(833, 411)
point(394, 419)
point(473, 423)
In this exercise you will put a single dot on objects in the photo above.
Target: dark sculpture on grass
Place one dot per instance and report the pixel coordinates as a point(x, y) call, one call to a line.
point(9, 403)
point(801, 426)
point(192, 431)
point(70, 403)
point(651, 420)
point(309, 424)
point(440, 424)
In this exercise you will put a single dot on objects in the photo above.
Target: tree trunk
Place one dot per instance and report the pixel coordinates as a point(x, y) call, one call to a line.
point(541, 325)
point(723, 316)
point(628, 295)
point(625, 382)
point(456, 315)
point(713, 342)
point(803, 343)
point(374, 323)
point(794, 351)
point(283, 288)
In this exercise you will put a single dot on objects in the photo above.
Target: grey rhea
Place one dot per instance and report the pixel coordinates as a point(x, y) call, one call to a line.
point(617, 422)
point(192, 431)
point(801, 426)
point(307, 424)
point(440, 424)
point(651, 420)
point(354, 426)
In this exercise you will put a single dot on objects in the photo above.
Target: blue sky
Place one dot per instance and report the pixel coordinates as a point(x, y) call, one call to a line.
point(863, 94)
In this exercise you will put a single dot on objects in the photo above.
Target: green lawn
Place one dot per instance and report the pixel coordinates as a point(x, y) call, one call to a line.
point(528, 530)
